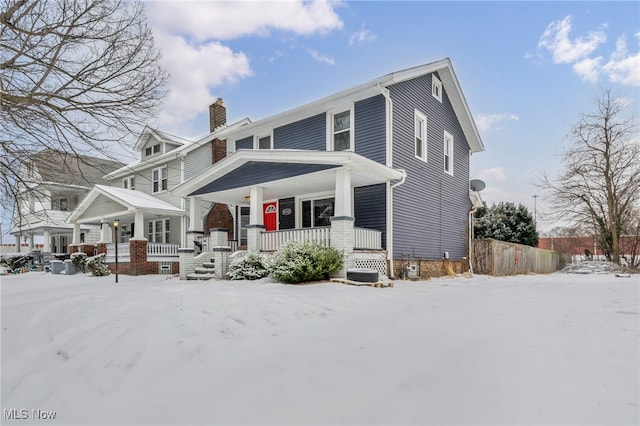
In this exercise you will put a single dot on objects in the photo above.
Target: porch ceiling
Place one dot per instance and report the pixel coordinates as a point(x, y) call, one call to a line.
point(283, 174)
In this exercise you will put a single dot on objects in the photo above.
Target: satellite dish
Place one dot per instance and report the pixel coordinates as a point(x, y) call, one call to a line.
point(477, 185)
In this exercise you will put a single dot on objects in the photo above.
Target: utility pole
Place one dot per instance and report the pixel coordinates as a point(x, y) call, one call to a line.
point(535, 209)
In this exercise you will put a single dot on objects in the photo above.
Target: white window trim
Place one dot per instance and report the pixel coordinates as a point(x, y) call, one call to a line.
point(128, 179)
point(421, 116)
point(159, 169)
point(163, 231)
point(448, 136)
point(256, 141)
point(435, 82)
point(352, 132)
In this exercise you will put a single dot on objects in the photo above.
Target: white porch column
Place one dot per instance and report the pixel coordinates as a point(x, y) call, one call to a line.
point(138, 227)
point(195, 221)
point(343, 200)
point(47, 242)
point(256, 220)
point(30, 242)
point(105, 232)
point(76, 234)
point(18, 243)
point(343, 220)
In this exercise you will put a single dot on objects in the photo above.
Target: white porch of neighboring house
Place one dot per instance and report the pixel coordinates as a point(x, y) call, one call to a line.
point(259, 178)
point(139, 216)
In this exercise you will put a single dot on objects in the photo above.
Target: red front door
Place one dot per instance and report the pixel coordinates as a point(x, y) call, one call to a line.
point(270, 214)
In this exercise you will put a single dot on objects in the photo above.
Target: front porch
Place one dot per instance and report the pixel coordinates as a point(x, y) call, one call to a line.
point(288, 195)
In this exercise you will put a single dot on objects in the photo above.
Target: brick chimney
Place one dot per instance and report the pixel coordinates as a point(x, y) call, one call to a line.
point(217, 118)
point(217, 115)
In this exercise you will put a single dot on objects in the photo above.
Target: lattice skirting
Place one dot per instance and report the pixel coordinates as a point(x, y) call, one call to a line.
point(376, 260)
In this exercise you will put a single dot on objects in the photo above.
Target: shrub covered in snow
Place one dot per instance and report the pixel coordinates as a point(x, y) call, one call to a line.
point(79, 260)
point(97, 266)
point(245, 265)
point(298, 262)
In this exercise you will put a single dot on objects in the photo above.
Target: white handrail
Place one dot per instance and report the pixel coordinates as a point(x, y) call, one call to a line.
point(367, 239)
point(273, 240)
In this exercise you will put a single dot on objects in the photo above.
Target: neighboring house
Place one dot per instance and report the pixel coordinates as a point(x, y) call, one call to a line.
point(379, 171)
point(52, 184)
point(587, 247)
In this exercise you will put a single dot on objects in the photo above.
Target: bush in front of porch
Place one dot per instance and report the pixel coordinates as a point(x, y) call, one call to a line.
point(298, 262)
point(245, 265)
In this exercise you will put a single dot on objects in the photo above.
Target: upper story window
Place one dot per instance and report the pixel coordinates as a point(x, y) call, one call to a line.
point(264, 143)
point(129, 182)
point(420, 135)
point(341, 131)
point(152, 150)
point(61, 203)
point(159, 178)
point(448, 153)
point(436, 87)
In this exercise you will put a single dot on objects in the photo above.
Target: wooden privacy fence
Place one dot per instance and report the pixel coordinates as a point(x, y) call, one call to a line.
point(498, 258)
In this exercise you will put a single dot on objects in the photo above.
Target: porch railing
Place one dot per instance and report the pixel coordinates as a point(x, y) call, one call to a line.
point(124, 255)
point(273, 240)
point(162, 250)
point(367, 239)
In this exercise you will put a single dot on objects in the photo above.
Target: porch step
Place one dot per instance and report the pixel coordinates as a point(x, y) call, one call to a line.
point(200, 277)
point(209, 265)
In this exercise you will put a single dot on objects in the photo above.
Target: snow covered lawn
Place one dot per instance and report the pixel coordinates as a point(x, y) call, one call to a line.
point(540, 349)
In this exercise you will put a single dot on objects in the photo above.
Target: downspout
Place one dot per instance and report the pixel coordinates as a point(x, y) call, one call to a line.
point(389, 161)
point(471, 213)
point(183, 203)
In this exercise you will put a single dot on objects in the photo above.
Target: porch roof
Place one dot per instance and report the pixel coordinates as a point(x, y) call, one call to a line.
point(282, 173)
point(110, 201)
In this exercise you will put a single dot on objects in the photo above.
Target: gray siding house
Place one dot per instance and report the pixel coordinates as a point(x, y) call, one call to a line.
point(380, 171)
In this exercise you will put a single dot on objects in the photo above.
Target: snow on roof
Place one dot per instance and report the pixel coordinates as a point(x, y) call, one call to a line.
point(136, 199)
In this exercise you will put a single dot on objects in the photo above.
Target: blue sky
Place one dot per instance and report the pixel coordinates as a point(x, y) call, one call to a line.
point(527, 69)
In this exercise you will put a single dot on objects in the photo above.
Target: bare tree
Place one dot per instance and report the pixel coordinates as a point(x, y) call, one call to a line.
point(601, 177)
point(78, 76)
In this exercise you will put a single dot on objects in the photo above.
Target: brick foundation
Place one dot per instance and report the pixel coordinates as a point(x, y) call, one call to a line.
point(88, 249)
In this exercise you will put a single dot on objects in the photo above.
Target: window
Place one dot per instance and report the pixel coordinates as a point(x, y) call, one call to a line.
point(264, 143)
point(317, 212)
point(159, 179)
point(420, 135)
point(129, 182)
point(61, 204)
point(436, 87)
point(152, 150)
point(341, 131)
point(159, 231)
point(448, 153)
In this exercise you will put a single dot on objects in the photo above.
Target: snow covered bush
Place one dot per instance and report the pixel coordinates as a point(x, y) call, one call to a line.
point(298, 262)
point(97, 266)
point(246, 265)
point(79, 260)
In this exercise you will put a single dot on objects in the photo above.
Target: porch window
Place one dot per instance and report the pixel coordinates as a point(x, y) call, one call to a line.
point(341, 131)
point(420, 135)
point(129, 182)
point(159, 178)
point(448, 153)
point(317, 212)
point(159, 231)
point(244, 221)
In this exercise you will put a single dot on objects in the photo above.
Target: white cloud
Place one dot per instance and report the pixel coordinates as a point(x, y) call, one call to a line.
point(194, 70)
point(486, 122)
point(321, 58)
point(564, 50)
point(190, 36)
point(623, 67)
point(494, 174)
point(362, 37)
point(226, 20)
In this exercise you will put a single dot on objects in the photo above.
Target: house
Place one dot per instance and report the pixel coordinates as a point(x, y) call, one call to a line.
point(382, 167)
point(379, 171)
point(52, 184)
point(152, 222)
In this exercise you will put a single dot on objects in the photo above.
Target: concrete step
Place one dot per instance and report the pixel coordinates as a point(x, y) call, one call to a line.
point(200, 277)
point(209, 265)
point(203, 270)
